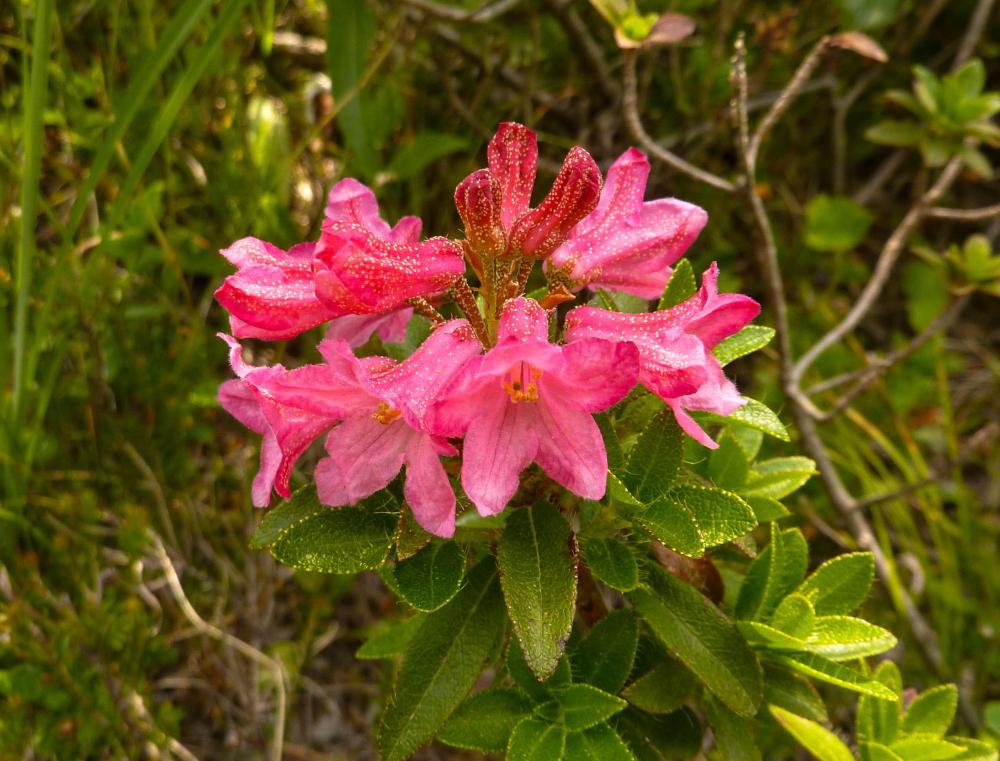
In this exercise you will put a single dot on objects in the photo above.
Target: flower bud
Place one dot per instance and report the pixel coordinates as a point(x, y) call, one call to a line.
point(478, 199)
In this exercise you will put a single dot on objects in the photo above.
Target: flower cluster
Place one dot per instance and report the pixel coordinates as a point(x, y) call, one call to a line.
point(491, 385)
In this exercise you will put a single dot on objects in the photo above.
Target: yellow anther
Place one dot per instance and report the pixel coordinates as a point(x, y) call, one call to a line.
point(385, 414)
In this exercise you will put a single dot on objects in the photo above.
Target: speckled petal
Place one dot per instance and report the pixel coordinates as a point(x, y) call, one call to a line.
point(427, 489)
point(573, 196)
point(357, 272)
point(570, 446)
point(598, 373)
point(353, 202)
point(356, 329)
point(513, 159)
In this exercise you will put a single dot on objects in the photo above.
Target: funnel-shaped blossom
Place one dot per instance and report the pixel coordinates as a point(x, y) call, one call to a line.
point(290, 408)
point(627, 244)
point(528, 400)
point(360, 273)
point(676, 362)
point(385, 430)
point(272, 295)
point(493, 203)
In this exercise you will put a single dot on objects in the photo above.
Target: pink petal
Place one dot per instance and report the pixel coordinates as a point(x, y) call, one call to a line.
point(478, 199)
point(427, 489)
point(360, 273)
point(499, 444)
point(523, 319)
point(460, 402)
point(356, 329)
point(570, 446)
point(689, 426)
point(407, 230)
point(513, 158)
point(720, 315)
point(573, 196)
point(597, 373)
point(353, 202)
point(367, 454)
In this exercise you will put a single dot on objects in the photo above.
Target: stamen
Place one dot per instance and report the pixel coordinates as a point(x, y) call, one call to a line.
point(521, 383)
point(385, 414)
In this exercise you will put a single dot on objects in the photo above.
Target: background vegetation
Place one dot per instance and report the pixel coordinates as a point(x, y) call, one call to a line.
point(139, 138)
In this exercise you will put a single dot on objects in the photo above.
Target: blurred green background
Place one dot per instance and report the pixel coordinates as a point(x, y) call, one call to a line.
point(138, 138)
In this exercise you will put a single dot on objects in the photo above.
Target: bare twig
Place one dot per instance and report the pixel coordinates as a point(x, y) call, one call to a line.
point(634, 121)
point(883, 268)
point(877, 499)
point(424, 308)
point(484, 13)
point(466, 301)
point(974, 31)
point(965, 215)
point(249, 651)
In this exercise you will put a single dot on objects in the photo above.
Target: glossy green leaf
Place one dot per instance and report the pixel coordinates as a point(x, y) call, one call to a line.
point(341, 539)
point(538, 574)
point(841, 638)
point(680, 287)
point(672, 737)
point(735, 736)
point(755, 415)
point(654, 459)
point(599, 743)
point(620, 493)
point(525, 679)
point(825, 670)
point(431, 577)
point(878, 720)
point(605, 655)
point(902, 134)
point(721, 515)
point(611, 444)
point(673, 525)
point(795, 616)
point(778, 477)
point(925, 748)
point(702, 638)
point(840, 584)
point(611, 562)
point(820, 741)
point(750, 339)
point(583, 706)
point(391, 640)
point(835, 223)
point(303, 504)
point(932, 711)
point(793, 693)
point(728, 466)
point(484, 721)
point(767, 637)
point(664, 689)
point(442, 663)
point(878, 752)
point(767, 509)
point(775, 572)
point(536, 740)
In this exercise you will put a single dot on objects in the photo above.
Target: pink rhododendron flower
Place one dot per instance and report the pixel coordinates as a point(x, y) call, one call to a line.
point(493, 203)
point(272, 295)
point(385, 429)
point(675, 348)
point(529, 400)
point(626, 243)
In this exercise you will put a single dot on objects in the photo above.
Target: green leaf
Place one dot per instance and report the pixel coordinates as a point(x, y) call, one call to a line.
point(869, 14)
point(616, 460)
point(303, 504)
point(778, 477)
point(840, 584)
point(341, 539)
point(620, 493)
point(756, 415)
point(975, 750)
point(728, 466)
point(878, 752)
point(431, 577)
point(842, 638)
point(485, 720)
point(653, 461)
point(766, 636)
point(442, 663)
point(902, 134)
point(535, 740)
point(538, 574)
point(605, 655)
point(977, 162)
point(411, 159)
point(793, 693)
point(671, 737)
point(391, 640)
point(932, 711)
point(611, 562)
point(680, 287)
point(583, 706)
point(825, 670)
point(735, 736)
point(794, 615)
point(773, 574)
point(674, 526)
point(410, 536)
point(835, 223)
point(662, 690)
point(969, 79)
point(702, 638)
point(925, 748)
point(821, 742)
point(599, 743)
point(526, 680)
point(878, 720)
point(767, 509)
point(747, 341)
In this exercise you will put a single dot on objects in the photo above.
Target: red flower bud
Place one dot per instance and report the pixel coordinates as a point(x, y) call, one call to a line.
point(478, 198)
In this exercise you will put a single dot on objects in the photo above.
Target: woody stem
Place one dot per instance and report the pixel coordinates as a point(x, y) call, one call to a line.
point(424, 308)
point(466, 301)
